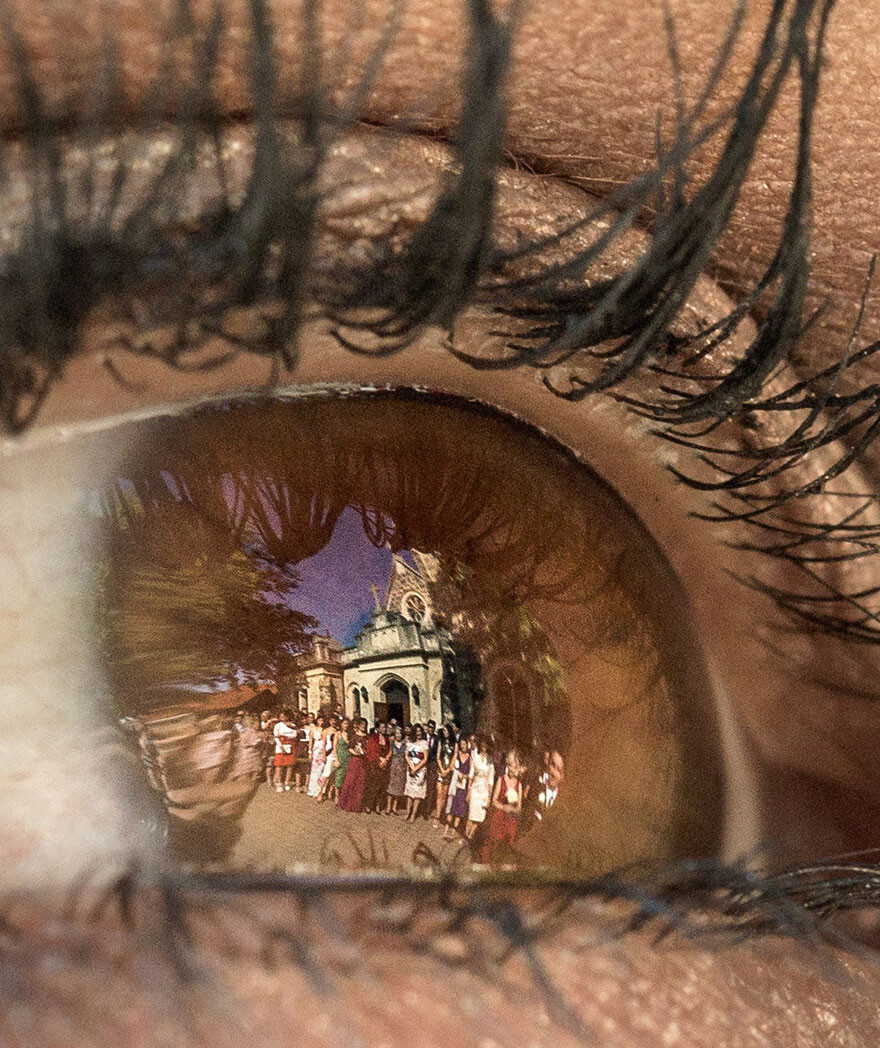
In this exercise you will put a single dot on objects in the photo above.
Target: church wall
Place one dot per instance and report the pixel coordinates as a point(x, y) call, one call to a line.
point(424, 671)
point(322, 688)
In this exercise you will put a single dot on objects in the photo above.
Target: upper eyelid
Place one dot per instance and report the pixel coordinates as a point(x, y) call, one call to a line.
point(461, 213)
point(435, 271)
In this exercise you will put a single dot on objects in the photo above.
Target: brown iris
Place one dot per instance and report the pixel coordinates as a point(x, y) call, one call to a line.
point(342, 562)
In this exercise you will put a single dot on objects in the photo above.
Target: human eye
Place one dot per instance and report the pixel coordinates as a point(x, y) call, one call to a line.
point(548, 309)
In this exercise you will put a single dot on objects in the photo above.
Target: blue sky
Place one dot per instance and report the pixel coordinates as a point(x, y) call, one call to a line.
point(335, 585)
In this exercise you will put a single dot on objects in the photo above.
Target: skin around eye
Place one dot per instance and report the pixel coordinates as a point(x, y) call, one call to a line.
point(575, 111)
point(825, 738)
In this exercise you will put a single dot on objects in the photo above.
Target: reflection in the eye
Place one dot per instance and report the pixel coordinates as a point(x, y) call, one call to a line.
point(384, 630)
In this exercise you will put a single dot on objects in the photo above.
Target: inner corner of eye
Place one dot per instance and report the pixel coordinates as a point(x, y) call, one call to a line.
point(386, 630)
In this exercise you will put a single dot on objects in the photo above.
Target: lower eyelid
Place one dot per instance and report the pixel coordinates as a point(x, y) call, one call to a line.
point(203, 964)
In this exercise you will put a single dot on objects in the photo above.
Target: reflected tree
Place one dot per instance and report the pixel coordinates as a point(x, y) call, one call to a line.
point(183, 601)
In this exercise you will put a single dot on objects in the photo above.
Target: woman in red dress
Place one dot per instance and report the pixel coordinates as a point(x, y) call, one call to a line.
point(377, 749)
point(505, 810)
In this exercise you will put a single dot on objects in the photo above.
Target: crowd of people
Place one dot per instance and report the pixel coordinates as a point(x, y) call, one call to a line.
point(469, 784)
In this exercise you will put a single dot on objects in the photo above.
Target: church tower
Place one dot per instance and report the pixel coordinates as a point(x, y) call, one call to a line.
point(408, 593)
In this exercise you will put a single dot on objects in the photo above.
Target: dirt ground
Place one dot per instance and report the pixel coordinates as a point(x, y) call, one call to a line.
point(281, 831)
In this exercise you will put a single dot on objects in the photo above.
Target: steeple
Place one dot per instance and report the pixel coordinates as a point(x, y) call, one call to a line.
point(408, 593)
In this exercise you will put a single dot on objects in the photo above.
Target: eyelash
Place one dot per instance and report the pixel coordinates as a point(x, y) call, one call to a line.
point(64, 264)
point(456, 919)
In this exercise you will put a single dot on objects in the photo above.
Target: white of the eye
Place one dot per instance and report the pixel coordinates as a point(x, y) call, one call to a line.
point(61, 816)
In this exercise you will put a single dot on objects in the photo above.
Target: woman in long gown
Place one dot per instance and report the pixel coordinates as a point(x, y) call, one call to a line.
point(445, 760)
point(341, 754)
point(377, 749)
point(396, 772)
point(482, 780)
point(319, 755)
point(351, 796)
point(328, 772)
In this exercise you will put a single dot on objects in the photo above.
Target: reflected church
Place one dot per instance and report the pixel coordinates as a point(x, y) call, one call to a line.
point(395, 667)
point(402, 665)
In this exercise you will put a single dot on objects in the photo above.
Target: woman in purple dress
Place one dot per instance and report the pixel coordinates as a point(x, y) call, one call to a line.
point(457, 804)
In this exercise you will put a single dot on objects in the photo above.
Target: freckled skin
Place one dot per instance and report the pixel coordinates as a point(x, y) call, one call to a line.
point(587, 81)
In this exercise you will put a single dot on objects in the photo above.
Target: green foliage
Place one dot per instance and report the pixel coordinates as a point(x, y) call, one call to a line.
point(498, 626)
point(183, 601)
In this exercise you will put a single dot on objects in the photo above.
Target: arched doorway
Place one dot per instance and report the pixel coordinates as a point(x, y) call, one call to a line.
point(395, 701)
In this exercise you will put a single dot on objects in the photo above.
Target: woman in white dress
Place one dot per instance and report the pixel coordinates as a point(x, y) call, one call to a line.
point(416, 788)
point(482, 780)
point(329, 766)
point(319, 755)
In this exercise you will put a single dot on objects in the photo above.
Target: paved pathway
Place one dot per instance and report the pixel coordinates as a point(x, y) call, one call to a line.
point(283, 830)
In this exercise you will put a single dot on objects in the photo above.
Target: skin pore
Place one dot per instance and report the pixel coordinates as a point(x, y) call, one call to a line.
point(586, 83)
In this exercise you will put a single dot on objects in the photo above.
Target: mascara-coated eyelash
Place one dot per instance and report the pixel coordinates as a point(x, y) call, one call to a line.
point(181, 938)
point(490, 918)
point(608, 333)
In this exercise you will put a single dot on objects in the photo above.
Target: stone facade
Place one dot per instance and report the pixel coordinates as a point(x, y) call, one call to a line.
point(320, 675)
point(394, 669)
point(401, 665)
point(396, 666)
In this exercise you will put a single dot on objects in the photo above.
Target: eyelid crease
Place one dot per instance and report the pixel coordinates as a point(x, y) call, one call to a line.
point(259, 247)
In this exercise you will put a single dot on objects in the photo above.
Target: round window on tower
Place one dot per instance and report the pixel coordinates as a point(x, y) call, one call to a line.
point(414, 607)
